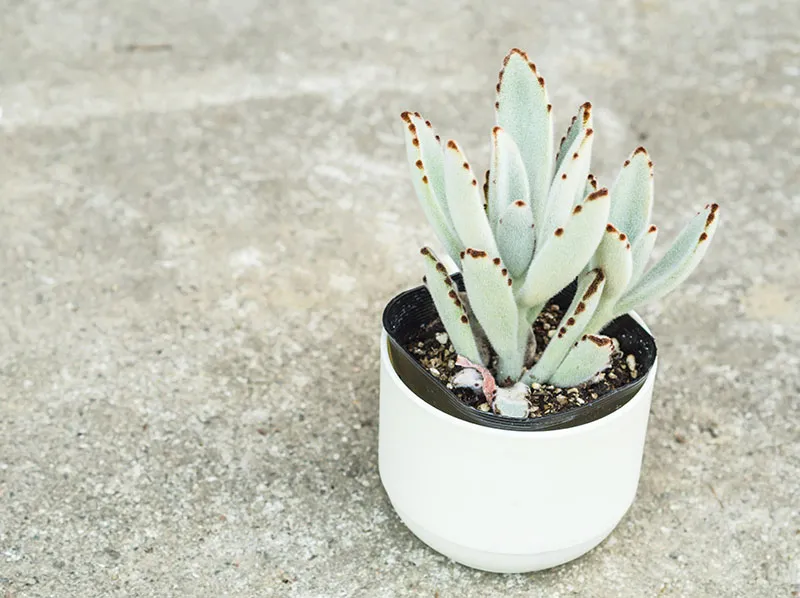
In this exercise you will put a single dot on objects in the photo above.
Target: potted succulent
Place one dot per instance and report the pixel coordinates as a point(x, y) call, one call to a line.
point(515, 394)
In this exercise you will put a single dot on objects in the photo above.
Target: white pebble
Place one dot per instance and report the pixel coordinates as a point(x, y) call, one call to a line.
point(442, 338)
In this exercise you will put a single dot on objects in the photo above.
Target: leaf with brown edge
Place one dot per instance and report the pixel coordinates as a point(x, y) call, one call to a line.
point(426, 163)
point(580, 122)
point(451, 310)
point(491, 300)
point(515, 237)
point(508, 180)
point(569, 183)
point(523, 111)
point(632, 195)
point(615, 258)
point(677, 264)
point(590, 356)
point(591, 185)
point(570, 328)
point(560, 258)
point(465, 201)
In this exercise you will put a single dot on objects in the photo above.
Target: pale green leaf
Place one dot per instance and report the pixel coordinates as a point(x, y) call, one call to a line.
point(451, 311)
point(569, 183)
point(561, 257)
point(590, 356)
point(523, 111)
point(632, 195)
point(579, 123)
point(426, 161)
point(642, 248)
point(465, 201)
point(570, 328)
point(491, 299)
point(515, 237)
point(508, 181)
point(678, 262)
point(614, 257)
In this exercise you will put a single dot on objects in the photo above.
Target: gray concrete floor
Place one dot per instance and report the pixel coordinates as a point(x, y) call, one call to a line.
point(205, 208)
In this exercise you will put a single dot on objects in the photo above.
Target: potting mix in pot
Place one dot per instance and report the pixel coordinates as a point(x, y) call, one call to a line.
point(537, 223)
point(434, 351)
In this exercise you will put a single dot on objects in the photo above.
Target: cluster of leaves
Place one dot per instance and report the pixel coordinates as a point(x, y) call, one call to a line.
point(538, 222)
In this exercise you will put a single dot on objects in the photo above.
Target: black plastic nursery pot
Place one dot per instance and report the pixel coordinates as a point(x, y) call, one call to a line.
point(412, 312)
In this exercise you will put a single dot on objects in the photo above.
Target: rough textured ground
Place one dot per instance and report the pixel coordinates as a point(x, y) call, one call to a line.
point(205, 208)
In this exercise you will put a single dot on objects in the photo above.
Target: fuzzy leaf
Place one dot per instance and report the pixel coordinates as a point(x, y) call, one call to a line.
point(561, 256)
point(492, 301)
point(677, 264)
point(569, 182)
point(508, 181)
point(449, 307)
point(582, 121)
point(588, 357)
point(523, 111)
point(642, 248)
point(591, 185)
point(426, 161)
point(515, 237)
point(513, 401)
point(587, 297)
point(465, 201)
point(632, 195)
point(525, 338)
point(615, 258)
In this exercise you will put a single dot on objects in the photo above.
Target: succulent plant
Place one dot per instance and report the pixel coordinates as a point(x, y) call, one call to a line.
point(536, 224)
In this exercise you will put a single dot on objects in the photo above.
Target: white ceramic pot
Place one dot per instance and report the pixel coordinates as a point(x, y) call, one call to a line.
point(507, 501)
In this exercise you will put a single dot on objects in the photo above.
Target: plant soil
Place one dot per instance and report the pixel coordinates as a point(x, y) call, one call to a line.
point(434, 351)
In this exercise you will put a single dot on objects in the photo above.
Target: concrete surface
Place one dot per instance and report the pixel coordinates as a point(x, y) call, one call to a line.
point(205, 208)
